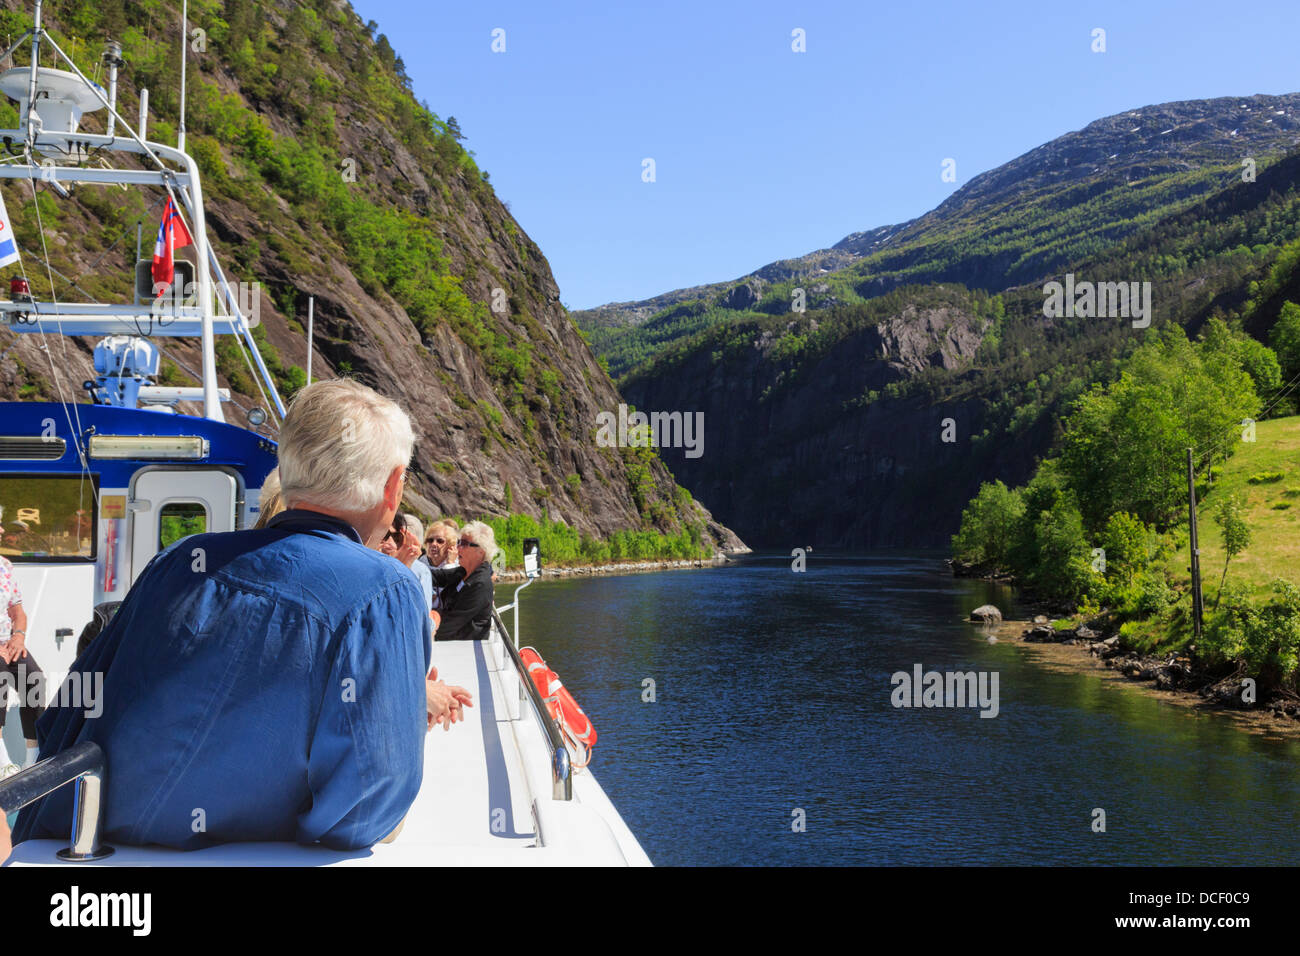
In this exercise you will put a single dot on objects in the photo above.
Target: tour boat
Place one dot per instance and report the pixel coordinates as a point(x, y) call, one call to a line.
point(91, 492)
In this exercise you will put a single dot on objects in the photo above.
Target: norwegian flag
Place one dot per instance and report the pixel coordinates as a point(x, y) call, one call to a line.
point(172, 235)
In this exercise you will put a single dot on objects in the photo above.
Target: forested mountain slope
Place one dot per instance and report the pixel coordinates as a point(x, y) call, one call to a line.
point(873, 423)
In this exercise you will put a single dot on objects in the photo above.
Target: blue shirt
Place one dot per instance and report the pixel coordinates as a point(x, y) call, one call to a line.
point(425, 577)
point(258, 685)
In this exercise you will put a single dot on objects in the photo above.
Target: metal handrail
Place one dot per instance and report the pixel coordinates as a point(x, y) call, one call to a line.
point(83, 763)
point(561, 772)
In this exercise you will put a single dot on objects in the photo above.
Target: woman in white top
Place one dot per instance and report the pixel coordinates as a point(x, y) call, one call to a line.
point(18, 670)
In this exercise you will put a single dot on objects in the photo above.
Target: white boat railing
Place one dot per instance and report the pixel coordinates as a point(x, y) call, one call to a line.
point(561, 769)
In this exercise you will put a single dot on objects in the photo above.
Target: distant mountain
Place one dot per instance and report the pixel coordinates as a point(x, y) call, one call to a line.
point(872, 422)
point(1061, 202)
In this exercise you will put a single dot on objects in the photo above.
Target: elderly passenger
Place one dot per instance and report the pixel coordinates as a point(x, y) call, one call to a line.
point(440, 552)
point(467, 590)
point(269, 684)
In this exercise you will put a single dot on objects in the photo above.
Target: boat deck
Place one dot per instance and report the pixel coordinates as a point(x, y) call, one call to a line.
point(486, 799)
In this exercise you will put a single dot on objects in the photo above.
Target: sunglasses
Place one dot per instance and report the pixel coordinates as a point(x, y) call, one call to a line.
point(394, 535)
point(435, 540)
point(466, 543)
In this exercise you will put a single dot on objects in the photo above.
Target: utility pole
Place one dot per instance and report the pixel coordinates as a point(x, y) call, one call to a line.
point(1198, 604)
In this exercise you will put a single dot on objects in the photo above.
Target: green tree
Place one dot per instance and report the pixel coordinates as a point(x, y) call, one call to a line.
point(1255, 358)
point(1124, 445)
point(1062, 569)
point(1125, 540)
point(988, 526)
point(1121, 448)
point(1236, 535)
point(1285, 340)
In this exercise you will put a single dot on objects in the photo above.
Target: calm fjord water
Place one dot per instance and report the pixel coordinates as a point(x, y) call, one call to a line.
point(773, 693)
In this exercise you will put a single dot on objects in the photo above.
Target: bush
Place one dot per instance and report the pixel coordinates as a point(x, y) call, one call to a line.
point(1153, 593)
point(1265, 477)
point(1265, 638)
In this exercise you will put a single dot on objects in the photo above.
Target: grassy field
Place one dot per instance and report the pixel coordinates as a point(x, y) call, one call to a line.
point(1272, 512)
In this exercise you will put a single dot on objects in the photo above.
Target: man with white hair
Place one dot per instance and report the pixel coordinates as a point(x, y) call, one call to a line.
point(269, 684)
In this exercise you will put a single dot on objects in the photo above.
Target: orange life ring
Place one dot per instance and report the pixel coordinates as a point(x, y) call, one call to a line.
point(564, 710)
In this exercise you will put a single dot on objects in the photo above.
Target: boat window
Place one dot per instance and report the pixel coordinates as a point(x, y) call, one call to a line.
point(47, 517)
point(180, 519)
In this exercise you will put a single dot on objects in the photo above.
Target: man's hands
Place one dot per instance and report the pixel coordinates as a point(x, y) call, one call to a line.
point(445, 702)
point(5, 846)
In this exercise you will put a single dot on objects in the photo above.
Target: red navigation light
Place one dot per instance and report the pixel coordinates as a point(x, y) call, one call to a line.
point(18, 287)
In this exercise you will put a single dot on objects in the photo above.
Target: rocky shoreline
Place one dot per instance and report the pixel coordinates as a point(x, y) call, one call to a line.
point(1175, 678)
point(624, 567)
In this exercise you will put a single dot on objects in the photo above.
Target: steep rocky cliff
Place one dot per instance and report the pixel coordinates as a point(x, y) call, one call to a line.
point(809, 461)
point(326, 178)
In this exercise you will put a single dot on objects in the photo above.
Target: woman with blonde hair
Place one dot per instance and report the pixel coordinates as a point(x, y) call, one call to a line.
point(440, 553)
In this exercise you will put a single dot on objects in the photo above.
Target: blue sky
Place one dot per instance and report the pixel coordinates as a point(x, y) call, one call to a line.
point(763, 153)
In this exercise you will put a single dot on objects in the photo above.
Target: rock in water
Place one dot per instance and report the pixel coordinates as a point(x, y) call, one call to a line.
point(986, 614)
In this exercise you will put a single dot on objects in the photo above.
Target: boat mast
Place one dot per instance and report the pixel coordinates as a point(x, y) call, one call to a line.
point(185, 7)
point(31, 84)
point(311, 308)
point(211, 401)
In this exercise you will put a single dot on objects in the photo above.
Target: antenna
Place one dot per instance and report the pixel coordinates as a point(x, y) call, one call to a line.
point(112, 56)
